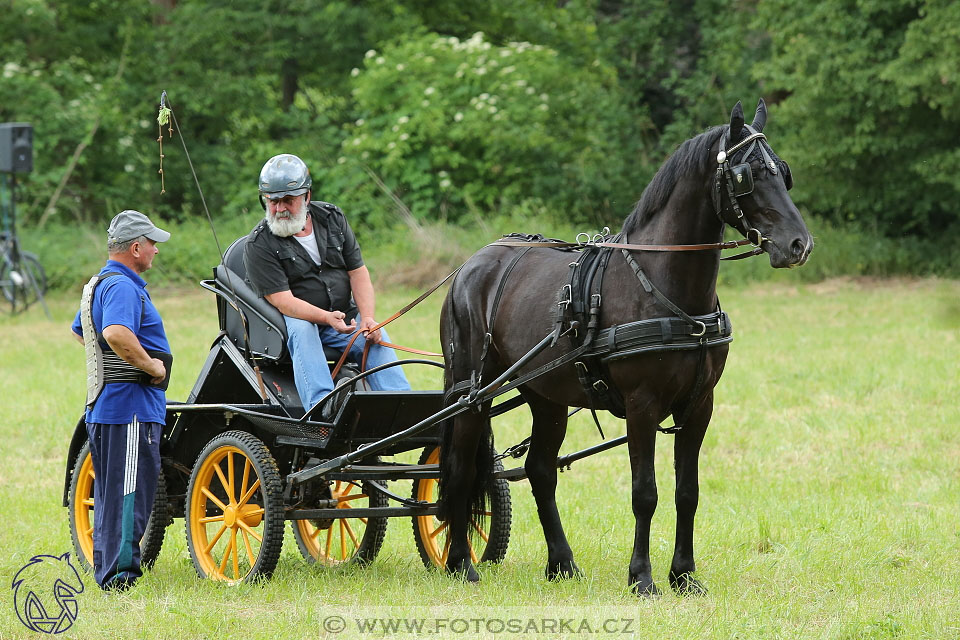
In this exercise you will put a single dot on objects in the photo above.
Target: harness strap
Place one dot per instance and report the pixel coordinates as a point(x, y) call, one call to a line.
point(650, 288)
point(556, 244)
point(492, 318)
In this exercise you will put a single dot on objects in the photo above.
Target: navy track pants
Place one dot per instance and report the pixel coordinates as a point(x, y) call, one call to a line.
point(126, 464)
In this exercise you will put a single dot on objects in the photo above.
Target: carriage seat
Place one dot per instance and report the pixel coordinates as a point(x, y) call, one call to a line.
point(265, 325)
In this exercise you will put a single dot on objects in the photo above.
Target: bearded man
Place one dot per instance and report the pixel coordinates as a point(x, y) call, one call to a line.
point(303, 258)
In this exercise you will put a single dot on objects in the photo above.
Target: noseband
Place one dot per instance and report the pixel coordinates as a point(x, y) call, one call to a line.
point(737, 181)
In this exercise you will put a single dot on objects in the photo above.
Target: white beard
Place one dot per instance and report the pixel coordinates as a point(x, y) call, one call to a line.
point(284, 225)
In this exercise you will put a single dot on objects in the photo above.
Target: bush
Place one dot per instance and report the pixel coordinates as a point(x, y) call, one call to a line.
point(446, 125)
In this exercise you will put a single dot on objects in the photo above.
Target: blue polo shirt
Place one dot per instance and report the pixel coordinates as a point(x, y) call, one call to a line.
point(124, 300)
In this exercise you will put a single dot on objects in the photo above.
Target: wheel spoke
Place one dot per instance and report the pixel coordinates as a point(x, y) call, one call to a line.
point(246, 476)
point(230, 474)
point(316, 532)
point(343, 541)
point(246, 543)
point(223, 482)
point(246, 496)
point(438, 530)
point(326, 548)
point(209, 519)
point(246, 527)
point(210, 545)
point(235, 552)
point(225, 560)
point(89, 531)
point(473, 554)
point(446, 552)
point(349, 530)
point(483, 534)
point(87, 503)
point(343, 499)
point(213, 498)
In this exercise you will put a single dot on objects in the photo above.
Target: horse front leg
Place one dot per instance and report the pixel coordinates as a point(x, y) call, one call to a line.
point(686, 459)
point(641, 440)
point(549, 429)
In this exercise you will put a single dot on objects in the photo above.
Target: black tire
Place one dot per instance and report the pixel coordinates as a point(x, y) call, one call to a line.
point(337, 546)
point(22, 293)
point(81, 511)
point(249, 501)
point(430, 533)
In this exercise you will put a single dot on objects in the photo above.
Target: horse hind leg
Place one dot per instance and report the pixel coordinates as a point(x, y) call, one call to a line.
point(549, 429)
point(686, 459)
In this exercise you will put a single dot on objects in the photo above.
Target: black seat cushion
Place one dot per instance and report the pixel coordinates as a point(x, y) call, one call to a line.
point(266, 327)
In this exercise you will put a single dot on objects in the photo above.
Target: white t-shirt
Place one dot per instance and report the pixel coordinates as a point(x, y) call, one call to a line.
point(309, 242)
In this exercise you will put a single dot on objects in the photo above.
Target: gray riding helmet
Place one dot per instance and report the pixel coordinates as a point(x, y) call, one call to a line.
point(284, 175)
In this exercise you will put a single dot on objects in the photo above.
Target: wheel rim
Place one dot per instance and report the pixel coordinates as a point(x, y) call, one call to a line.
point(226, 515)
point(83, 509)
point(338, 542)
point(433, 533)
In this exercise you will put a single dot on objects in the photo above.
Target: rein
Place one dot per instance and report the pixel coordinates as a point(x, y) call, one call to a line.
point(755, 241)
point(366, 347)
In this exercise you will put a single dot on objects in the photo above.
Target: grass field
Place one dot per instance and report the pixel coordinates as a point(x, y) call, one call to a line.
point(830, 491)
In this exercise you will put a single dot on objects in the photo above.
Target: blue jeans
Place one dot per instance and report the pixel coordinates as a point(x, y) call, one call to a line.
point(306, 340)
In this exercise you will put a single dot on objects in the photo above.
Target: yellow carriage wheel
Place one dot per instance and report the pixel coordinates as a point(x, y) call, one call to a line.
point(81, 506)
point(490, 530)
point(234, 510)
point(346, 539)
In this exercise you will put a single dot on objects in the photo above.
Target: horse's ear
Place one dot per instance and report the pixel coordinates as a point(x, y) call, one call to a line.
point(736, 123)
point(760, 119)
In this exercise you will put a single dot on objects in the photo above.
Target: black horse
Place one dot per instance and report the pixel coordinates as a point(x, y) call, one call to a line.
point(500, 305)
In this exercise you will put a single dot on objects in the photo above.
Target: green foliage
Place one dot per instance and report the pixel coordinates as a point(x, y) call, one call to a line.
point(865, 142)
point(447, 124)
point(863, 95)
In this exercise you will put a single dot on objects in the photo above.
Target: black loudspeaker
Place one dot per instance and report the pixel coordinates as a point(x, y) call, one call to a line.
point(16, 147)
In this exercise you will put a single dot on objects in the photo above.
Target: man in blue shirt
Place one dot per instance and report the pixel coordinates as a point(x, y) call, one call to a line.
point(128, 367)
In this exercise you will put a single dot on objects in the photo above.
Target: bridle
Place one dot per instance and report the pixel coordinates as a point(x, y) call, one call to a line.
point(737, 181)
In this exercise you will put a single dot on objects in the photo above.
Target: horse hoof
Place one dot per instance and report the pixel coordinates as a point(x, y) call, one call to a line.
point(646, 589)
point(685, 584)
point(464, 573)
point(563, 571)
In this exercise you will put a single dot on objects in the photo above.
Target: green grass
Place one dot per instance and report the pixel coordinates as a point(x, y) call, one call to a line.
point(830, 488)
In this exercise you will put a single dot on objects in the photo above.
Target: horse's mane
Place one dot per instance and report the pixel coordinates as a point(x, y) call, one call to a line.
point(691, 158)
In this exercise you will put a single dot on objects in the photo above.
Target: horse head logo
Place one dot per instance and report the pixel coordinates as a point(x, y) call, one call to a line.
point(45, 593)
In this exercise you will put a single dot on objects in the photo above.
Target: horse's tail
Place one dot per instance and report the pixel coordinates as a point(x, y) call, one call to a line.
point(481, 484)
point(456, 490)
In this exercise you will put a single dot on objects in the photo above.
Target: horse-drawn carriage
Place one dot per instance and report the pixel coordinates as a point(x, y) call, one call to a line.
point(231, 455)
point(640, 334)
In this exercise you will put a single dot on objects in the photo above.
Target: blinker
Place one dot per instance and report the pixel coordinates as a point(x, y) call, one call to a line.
point(743, 179)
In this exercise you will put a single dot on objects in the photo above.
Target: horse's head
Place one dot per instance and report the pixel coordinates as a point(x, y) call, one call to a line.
point(750, 192)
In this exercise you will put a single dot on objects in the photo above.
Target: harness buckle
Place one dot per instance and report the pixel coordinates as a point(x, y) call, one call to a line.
point(598, 384)
point(569, 289)
point(595, 304)
point(755, 237)
point(703, 330)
